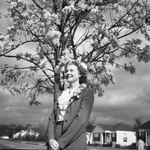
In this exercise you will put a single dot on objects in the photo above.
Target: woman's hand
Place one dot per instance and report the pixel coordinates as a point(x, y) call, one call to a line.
point(54, 144)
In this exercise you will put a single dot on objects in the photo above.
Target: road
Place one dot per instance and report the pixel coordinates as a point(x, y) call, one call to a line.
point(6, 144)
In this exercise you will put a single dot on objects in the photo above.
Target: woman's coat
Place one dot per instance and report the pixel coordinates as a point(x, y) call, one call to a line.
point(75, 120)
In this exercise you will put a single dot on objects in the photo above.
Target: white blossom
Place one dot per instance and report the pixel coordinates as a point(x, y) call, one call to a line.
point(24, 14)
point(106, 57)
point(92, 68)
point(47, 14)
point(11, 43)
point(8, 1)
point(6, 38)
point(51, 17)
point(56, 42)
point(54, 34)
point(84, 65)
point(10, 28)
point(82, 5)
point(2, 37)
point(12, 5)
point(30, 22)
point(68, 9)
point(72, 2)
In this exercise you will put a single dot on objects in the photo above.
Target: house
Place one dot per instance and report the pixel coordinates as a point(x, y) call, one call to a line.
point(4, 137)
point(118, 134)
point(25, 133)
point(144, 132)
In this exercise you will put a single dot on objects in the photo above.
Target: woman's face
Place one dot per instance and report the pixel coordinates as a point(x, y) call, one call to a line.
point(72, 73)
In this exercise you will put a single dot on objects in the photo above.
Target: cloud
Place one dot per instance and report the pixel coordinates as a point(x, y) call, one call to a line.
point(16, 109)
point(128, 99)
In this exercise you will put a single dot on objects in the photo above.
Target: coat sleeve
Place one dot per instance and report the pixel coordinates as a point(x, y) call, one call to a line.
point(79, 123)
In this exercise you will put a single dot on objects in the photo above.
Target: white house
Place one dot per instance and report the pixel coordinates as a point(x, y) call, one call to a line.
point(118, 134)
point(4, 137)
point(25, 133)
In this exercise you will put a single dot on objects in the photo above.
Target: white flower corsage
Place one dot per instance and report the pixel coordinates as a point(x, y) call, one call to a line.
point(76, 93)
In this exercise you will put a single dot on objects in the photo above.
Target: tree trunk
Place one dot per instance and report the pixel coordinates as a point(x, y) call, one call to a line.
point(56, 87)
point(55, 95)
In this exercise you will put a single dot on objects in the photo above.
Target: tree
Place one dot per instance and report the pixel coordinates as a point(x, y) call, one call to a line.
point(96, 30)
point(137, 125)
point(90, 126)
point(9, 130)
point(41, 129)
point(28, 126)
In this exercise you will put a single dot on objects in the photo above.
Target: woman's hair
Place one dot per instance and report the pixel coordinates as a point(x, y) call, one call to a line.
point(83, 79)
point(81, 69)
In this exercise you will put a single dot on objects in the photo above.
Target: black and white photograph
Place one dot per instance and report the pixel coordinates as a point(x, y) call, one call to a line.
point(75, 74)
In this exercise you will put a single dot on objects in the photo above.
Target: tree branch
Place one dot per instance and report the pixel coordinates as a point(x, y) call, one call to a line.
point(123, 15)
point(14, 48)
point(38, 5)
point(12, 56)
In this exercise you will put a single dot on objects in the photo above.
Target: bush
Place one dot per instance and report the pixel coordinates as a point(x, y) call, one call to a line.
point(118, 145)
point(94, 144)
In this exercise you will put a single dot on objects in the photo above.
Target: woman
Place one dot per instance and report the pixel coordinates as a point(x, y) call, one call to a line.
point(71, 113)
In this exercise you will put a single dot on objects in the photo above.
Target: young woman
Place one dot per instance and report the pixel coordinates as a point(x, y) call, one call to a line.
point(71, 113)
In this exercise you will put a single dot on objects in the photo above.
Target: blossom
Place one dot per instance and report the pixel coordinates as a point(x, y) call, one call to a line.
point(94, 10)
point(51, 17)
point(8, 1)
point(56, 41)
point(46, 14)
point(76, 92)
point(106, 57)
point(65, 59)
point(10, 28)
point(84, 65)
point(54, 34)
point(82, 5)
point(2, 37)
point(67, 9)
point(12, 5)
point(29, 22)
point(24, 14)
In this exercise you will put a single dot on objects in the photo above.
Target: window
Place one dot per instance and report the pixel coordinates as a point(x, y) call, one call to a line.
point(113, 135)
point(96, 136)
point(125, 137)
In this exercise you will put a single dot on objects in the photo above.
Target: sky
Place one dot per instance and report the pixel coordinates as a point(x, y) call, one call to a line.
point(128, 99)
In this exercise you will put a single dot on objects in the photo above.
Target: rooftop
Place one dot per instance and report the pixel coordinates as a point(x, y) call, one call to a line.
point(120, 126)
point(146, 125)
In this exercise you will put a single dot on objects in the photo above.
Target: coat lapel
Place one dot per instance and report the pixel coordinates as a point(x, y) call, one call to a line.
point(73, 100)
point(76, 99)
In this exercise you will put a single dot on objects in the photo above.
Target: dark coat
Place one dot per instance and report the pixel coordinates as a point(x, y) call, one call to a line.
point(75, 120)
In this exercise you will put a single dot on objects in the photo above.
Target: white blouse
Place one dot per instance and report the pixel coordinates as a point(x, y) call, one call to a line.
point(63, 102)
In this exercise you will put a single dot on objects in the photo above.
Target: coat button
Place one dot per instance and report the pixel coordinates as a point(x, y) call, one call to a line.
point(67, 111)
point(66, 120)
